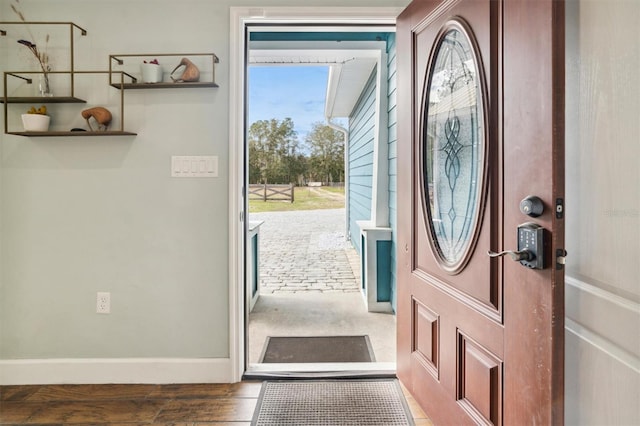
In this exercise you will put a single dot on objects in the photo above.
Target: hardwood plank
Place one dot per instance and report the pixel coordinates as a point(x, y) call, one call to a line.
point(16, 412)
point(182, 424)
point(248, 389)
point(17, 393)
point(191, 391)
point(53, 393)
point(208, 410)
point(95, 412)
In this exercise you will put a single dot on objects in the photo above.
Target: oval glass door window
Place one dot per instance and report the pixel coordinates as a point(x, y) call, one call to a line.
point(454, 146)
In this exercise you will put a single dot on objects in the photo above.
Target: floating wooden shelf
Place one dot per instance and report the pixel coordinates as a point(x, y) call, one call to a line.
point(210, 59)
point(41, 100)
point(164, 85)
point(106, 133)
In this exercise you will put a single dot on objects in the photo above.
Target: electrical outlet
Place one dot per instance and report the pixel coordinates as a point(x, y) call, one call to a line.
point(103, 303)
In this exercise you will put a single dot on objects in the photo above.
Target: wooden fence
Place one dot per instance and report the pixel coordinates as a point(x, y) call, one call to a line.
point(271, 192)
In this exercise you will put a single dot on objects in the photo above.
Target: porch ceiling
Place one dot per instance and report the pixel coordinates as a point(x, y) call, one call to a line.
point(351, 64)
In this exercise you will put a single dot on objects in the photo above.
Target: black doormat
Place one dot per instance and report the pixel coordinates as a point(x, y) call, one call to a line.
point(332, 402)
point(317, 349)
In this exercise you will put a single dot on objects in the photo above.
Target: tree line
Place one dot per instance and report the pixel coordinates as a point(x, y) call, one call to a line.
point(276, 155)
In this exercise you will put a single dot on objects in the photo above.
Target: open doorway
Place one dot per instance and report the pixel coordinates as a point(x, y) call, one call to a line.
point(310, 266)
point(241, 19)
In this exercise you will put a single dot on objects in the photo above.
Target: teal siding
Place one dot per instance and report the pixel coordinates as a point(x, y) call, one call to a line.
point(255, 243)
point(363, 254)
point(393, 149)
point(383, 272)
point(361, 137)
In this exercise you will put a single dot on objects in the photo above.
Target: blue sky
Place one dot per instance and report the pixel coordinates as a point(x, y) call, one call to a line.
point(280, 91)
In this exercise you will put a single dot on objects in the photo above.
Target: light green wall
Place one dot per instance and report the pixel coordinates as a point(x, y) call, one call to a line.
point(81, 215)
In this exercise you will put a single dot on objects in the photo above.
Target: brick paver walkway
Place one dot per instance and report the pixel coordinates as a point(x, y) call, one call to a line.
point(306, 251)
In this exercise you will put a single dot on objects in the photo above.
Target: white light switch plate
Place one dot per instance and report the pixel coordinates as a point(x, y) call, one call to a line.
point(194, 166)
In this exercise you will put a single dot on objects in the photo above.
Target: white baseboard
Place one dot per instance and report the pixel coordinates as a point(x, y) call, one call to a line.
point(104, 371)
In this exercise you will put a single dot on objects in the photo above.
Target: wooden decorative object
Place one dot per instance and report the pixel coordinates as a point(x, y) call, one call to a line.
point(101, 115)
point(190, 73)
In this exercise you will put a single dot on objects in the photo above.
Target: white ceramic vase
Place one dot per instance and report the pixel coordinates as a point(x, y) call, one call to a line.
point(151, 73)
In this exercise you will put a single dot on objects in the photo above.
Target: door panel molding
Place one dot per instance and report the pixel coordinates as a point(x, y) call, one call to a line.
point(426, 337)
point(480, 284)
point(487, 309)
point(437, 13)
point(479, 381)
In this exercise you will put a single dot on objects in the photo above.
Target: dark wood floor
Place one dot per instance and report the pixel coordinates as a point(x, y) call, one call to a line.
point(138, 405)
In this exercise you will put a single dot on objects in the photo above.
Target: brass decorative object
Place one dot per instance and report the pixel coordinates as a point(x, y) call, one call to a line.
point(190, 73)
point(101, 115)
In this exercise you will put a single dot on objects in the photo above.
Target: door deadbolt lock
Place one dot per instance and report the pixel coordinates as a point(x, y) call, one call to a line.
point(532, 206)
point(530, 252)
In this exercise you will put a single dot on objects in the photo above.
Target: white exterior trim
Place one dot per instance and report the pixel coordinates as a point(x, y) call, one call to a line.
point(241, 17)
point(116, 370)
point(371, 235)
point(345, 135)
point(237, 202)
point(380, 193)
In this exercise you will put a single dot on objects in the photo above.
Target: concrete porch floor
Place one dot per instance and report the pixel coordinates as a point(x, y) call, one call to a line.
point(320, 314)
point(310, 284)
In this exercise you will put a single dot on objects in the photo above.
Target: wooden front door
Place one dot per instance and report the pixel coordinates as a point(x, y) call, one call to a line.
point(480, 128)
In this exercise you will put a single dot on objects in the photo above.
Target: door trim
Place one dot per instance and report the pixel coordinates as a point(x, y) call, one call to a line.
point(240, 18)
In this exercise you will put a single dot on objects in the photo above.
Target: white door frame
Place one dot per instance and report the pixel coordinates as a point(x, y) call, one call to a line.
point(240, 18)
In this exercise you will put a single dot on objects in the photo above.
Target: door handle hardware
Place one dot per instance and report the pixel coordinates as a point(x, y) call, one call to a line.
point(530, 251)
point(515, 255)
point(561, 258)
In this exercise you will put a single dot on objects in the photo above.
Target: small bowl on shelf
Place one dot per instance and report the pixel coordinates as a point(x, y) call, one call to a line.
point(35, 122)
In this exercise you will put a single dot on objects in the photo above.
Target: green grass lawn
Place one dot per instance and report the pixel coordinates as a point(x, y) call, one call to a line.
point(305, 199)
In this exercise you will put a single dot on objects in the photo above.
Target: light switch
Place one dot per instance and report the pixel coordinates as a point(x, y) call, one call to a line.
point(212, 166)
point(194, 166)
point(175, 165)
